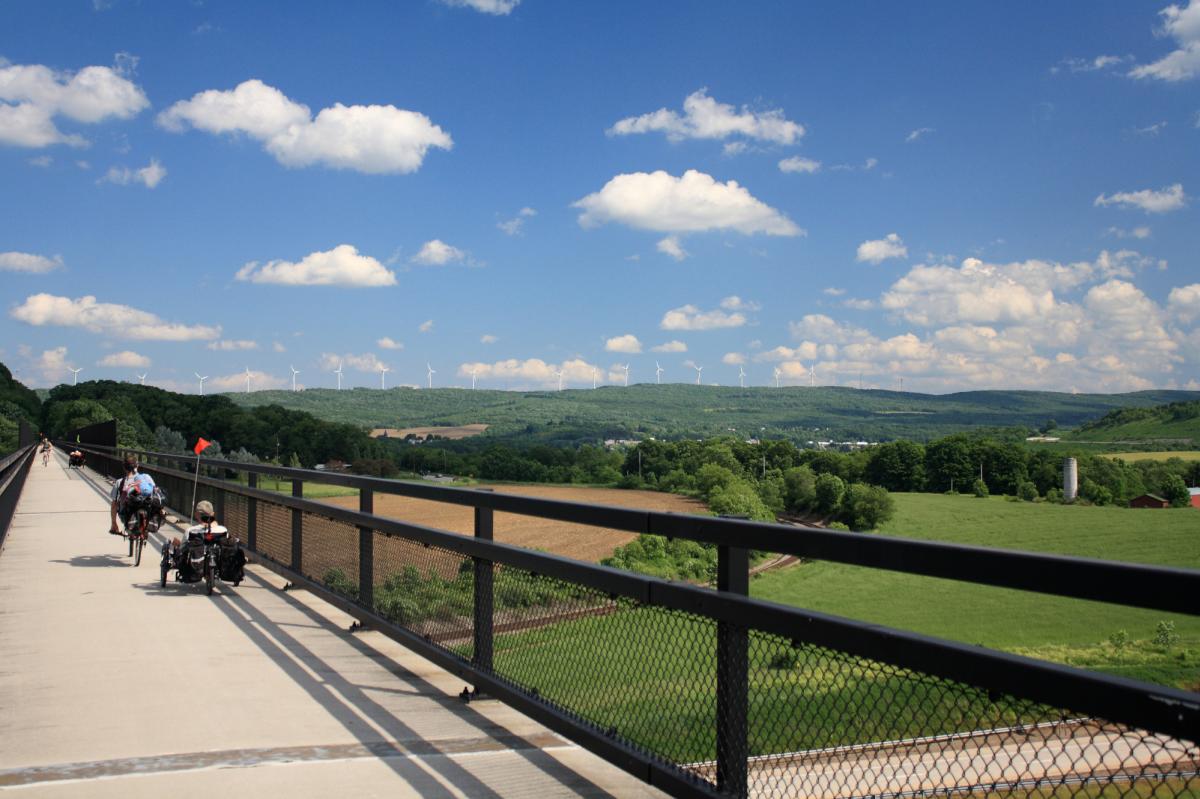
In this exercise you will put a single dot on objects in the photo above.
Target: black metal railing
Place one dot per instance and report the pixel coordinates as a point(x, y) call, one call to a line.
point(13, 469)
point(710, 693)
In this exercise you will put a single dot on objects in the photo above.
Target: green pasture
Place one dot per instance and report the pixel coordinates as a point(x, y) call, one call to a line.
point(1051, 627)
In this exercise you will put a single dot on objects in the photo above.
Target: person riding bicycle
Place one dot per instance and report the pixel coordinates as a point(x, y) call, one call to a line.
point(130, 488)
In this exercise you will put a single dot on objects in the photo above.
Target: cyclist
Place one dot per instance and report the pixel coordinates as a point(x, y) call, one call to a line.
point(45, 451)
point(134, 482)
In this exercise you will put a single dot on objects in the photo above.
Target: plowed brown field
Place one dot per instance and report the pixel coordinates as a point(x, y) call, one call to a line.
point(577, 541)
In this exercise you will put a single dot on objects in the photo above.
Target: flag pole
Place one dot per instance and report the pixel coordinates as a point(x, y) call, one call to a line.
point(195, 485)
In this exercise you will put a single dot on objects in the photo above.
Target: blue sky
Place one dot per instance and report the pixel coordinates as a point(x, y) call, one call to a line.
point(960, 195)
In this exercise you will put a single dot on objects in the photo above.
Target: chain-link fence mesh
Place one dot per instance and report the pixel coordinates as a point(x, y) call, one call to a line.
point(745, 711)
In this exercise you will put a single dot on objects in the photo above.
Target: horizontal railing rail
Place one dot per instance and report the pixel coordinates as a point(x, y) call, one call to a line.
point(1139, 585)
point(753, 669)
point(13, 469)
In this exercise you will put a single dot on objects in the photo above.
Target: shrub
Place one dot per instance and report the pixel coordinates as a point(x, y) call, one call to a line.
point(980, 489)
point(1175, 491)
point(865, 507)
point(739, 498)
point(1054, 495)
point(799, 488)
point(1027, 491)
point(1165, 635)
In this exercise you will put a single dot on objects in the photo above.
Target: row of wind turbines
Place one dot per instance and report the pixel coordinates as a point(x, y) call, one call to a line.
point(430, 372)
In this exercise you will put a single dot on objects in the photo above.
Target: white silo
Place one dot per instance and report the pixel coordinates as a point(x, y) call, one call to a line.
point(1070, 480)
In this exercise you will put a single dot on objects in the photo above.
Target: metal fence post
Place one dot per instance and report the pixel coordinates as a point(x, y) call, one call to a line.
point(366, 552)
point(733, 576)
point(483, 593)
point(252, 514)
point(297, 529)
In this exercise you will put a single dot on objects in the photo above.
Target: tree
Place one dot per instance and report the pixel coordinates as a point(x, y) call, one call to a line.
point(1176, 492)
point(865, 507)
point(738, 498)
point(829, 491)
point(949, 461)
point(897, 466)
point(980, 488)
point(711, 477)
point(799, 488)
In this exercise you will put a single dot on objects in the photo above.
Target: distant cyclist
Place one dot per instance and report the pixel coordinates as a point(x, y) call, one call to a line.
point(45, 451)
point(134, 482)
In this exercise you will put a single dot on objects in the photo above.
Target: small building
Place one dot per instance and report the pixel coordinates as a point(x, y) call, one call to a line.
point(1149, 501)
point(1195, 497)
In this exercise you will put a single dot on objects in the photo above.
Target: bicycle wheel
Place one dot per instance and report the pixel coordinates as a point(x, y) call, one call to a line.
point(130, 537)
point(138, 543)
point(209, 576)
point(162, 577)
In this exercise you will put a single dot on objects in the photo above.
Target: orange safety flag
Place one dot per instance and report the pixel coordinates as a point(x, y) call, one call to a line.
point(201, 445)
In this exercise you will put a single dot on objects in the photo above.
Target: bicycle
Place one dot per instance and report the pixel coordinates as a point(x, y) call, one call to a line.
point(136, 531)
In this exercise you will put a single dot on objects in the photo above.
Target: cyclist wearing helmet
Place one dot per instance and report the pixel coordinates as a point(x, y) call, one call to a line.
point(134, 482)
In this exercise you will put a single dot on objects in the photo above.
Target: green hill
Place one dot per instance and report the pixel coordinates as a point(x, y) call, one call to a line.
point(1177, 423)
point(679, 410)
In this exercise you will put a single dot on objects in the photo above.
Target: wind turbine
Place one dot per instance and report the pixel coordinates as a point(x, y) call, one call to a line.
point(247, 379)
point(143, 378)
point(473, 371)
point(778, 372)
point(431, 372)
point(812, 377)
point(559, 374)
point(698, 369)
point(201, 379)
point(338, 372)
point(383, 370)
point(658, 370)
point(295, 372)
point(74, 375)
point(593, 377)
point(626, 368)
point(742, 376)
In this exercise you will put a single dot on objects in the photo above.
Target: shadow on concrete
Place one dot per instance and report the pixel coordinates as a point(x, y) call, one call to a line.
point(93, 561)
point(342, 698)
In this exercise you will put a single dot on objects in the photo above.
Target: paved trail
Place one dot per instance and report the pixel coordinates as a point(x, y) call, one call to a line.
point(112, 686)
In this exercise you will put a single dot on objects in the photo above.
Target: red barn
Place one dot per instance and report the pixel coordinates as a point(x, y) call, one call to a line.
point(1149, 501)
point(1195, 497)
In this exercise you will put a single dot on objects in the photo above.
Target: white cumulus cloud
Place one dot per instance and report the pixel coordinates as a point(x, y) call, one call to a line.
point(110, 319)
point(733, 358)
point(341, 266)
point(1183, 25)
point(705, 118)
point(1169, 198)
point(33, 95)
point(674, 345)
point(126, 358)
point(374, 139)
point(917, 134)
point(691, 203)
point(28, 262)
point(1184, 302)
point(388, 343)
point(879, 250)
point(513, 226)
point(363, 362)
point(488, 338)
point(438, 253)
point(532, 372)
point(626, 343)
point(425, 326)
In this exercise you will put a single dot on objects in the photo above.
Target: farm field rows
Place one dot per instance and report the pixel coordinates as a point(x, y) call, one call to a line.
point(577, 541)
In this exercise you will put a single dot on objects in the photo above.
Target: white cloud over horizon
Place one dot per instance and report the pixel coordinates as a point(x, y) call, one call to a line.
point(149, 176)
point(232, 345)
point(374, 139)
point(799, 164)
point(127, 359)
point(111, 319)
point(388, 343)
point(689, 317)
point(341, 266)
point(626, 343)
point(675, 345)
point(438, 253)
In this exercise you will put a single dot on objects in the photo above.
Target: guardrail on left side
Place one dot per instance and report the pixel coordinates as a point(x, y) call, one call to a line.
point(13, 469)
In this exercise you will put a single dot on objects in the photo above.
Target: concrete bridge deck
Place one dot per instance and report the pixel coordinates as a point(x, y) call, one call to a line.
point(113, 686)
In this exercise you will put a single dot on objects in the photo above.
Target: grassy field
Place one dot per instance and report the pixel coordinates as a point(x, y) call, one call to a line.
point(1066, 630)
